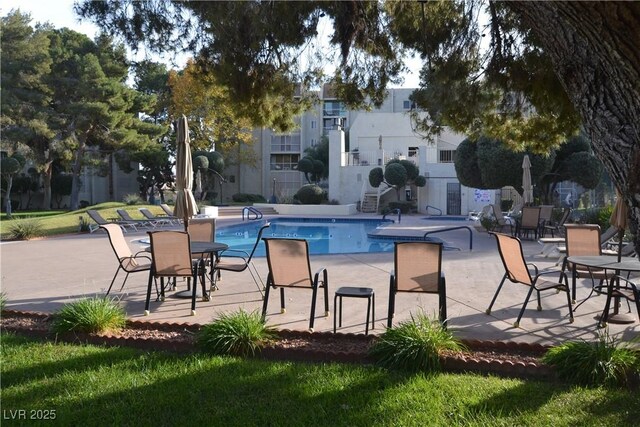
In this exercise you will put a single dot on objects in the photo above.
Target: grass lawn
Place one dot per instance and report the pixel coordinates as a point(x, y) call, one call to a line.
point(89, 385)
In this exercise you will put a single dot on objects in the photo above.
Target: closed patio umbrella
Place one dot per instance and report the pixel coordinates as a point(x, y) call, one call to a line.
point(619, 220)
point(527, 187)
point(185, 202)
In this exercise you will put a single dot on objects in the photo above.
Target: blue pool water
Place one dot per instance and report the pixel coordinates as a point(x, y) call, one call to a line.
point(325, 235)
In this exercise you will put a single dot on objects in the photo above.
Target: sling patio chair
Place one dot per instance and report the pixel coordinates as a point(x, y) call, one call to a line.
point(546, 211)
point(583, 240)
point(171, 258)
point(558, 227)
point(501, 220)
point(237, 261)
point(289, 267)
point(203, 230)
point(529, 221)
point(623, 288)
point(158, 220)
point(139, 222)
point(127, 261)
point(418, 268)
point(517, 270)
point(99, 220)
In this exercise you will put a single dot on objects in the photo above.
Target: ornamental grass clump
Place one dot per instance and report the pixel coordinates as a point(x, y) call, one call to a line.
point(236, 334)
point(603, 362)
point(97, 314)
point(3, 301)
point(25, 229)
point(414, 345)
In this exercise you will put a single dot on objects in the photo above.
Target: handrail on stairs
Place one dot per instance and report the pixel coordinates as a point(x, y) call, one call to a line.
point(451, 229)
point(393, 211)
point(251, 210)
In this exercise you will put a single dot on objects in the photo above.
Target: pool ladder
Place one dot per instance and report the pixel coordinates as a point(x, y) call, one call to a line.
point(251, 210)
point(393, 211)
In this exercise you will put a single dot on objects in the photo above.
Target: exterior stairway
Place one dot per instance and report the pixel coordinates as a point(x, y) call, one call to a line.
point(369, 203)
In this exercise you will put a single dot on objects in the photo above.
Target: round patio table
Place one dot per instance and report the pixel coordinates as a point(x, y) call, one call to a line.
point(610, 262)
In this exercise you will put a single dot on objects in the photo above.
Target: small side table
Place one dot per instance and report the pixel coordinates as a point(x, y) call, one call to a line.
point(353, 292)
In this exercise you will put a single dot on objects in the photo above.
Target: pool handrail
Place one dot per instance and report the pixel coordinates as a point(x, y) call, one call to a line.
point(451, 229)
point(434, 208)
point(393, 211)
point(251, 210)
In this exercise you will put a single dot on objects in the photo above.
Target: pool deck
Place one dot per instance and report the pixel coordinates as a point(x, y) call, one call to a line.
point(42, 275)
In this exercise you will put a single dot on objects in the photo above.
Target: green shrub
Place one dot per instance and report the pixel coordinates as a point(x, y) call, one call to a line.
point(236, 334)
point(248, 198)
point(505, 205)
point(132, 199)
point(83, 225)
point(97, 314)
point(603, 362)
point(25, 229)
point(487, 223)
point(414, 345)
point(3, 300)
point(310, 194)
point(604, 214)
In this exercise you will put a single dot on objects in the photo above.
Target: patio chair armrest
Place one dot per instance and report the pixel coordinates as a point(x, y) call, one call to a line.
point(535, 268)
point(317, 276)
point(234, 253)
point(628, 283)
point(563, 275)
point(142, 254)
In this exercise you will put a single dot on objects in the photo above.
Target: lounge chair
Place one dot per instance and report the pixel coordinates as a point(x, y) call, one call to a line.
point(167, 209)
point(139, 222)
point(546, 211)
point(99, 220)
point(127, 261)
point(158, 220)
point(237, 261)
point(418, 268)
point(517, 270)
point(289, 267)
point(171, 258)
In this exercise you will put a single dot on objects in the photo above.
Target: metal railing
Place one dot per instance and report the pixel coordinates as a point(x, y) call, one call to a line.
point(435, 209)
point(451, 229)
point(393, 211)
point(251, 210)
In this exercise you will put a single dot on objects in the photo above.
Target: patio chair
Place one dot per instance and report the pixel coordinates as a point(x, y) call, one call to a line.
point(289, 267)
point(158, 220)
point(546, 211)
point(620, 288)
point(127, 261)
point(237, 261)
point(139, 222)
point(559, 226)
point(517, 270)
point(171, 258)
point(418, 268)
point(167, 209)
point(501, 221)
point(203, 230)
point(99, 220)
point(581, 240)
point(529, 221)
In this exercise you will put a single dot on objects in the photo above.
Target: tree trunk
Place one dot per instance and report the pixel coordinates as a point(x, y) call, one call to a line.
point(594, 47)
point(48, 172)
point(7, 197)
point(77, 168)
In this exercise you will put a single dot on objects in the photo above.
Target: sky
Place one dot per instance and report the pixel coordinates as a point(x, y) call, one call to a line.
point(60, 14)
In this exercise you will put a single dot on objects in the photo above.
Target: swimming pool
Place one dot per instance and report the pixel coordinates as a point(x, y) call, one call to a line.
point(325, 235)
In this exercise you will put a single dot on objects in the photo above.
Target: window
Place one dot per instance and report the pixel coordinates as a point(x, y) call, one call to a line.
point(284, 162)
point(408, 105)
point(333, 108)
point(413, 151)
point(447, 156)
point(313, 124)
point(285, 143)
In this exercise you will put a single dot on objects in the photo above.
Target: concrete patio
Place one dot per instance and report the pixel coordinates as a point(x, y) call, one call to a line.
point(42, 275)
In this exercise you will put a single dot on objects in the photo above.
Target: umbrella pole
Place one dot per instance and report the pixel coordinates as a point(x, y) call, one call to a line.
point(620, 236)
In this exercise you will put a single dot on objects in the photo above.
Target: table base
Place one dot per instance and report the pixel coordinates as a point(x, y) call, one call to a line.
point(621, 319)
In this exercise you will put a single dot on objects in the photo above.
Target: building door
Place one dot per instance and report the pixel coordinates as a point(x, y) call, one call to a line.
point(453, 198)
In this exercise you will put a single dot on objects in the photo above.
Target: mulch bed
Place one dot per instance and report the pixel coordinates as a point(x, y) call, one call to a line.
point(490, 357)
